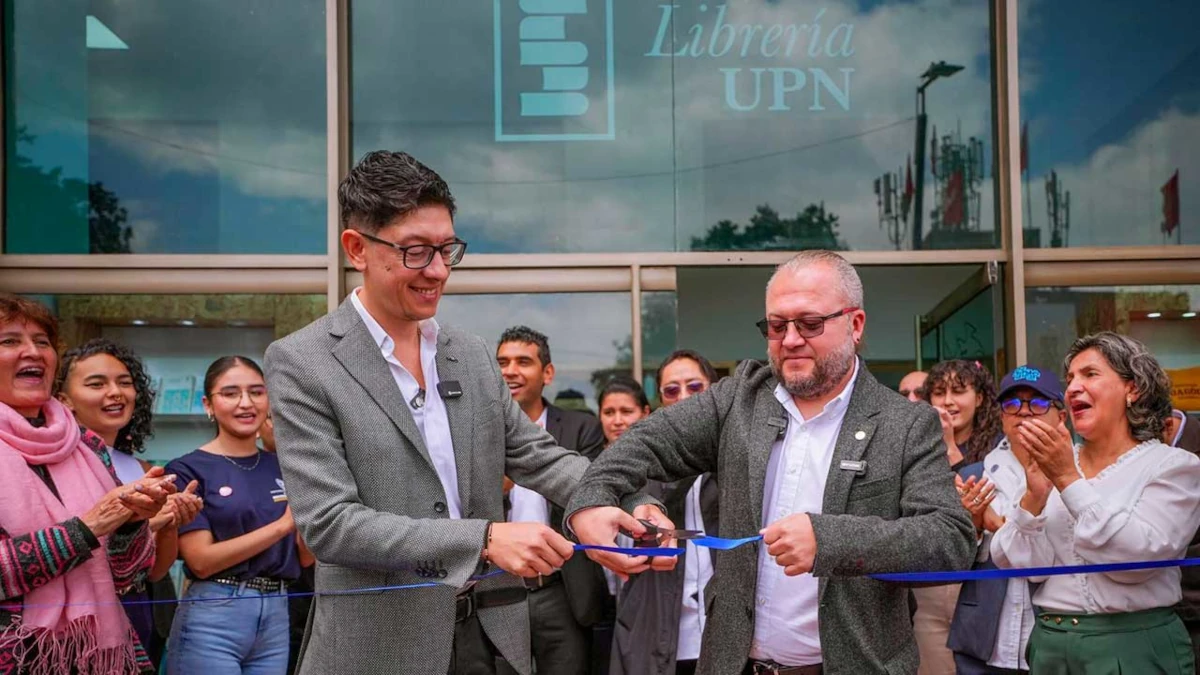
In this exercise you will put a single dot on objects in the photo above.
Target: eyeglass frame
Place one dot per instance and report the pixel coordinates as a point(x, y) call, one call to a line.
point(255, 393)
point(1027, 404)
point(765, 323)
point(701, 384)
point(434, 249)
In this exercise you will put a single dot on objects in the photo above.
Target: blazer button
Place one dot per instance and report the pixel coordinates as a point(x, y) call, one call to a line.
point(439, 507)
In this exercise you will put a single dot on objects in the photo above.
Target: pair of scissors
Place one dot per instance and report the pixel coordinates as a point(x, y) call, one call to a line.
point(655, 535)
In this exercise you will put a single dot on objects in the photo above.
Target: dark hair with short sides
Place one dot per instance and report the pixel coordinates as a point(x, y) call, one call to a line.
point(15, 308)
point(132, 437)
point(387, 185)
point(529, 336)
point(623, 384)
point(706, 367)
point(224, 365)
point(1148, 414)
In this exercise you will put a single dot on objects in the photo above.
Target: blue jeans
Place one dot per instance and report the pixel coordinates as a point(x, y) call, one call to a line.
point(229, 629)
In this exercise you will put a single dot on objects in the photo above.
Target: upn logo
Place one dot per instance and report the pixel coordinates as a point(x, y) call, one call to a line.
point(554, 70)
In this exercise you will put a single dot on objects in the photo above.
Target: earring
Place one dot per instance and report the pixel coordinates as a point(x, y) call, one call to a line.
point(210, 417)
point(1128, 402)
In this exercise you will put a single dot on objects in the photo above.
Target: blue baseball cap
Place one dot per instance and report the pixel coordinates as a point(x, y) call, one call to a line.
point(1042, 381)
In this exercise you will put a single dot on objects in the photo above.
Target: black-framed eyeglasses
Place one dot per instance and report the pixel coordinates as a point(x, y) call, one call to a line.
point(1037, 405)
point(807, 326)
point(419, 256)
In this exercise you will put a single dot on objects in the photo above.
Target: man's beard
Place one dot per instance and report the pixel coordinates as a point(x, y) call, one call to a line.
point(828, 372)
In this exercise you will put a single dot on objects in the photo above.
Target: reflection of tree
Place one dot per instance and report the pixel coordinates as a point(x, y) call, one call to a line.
point(46, 198)
point(658, 338)
point(812, 228)
point(106, 221)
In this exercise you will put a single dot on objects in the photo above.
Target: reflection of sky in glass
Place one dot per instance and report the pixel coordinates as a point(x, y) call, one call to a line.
point(1112, 99)
point(208, 128)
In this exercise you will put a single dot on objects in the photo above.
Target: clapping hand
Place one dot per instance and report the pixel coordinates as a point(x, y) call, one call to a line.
point(1051, 449)
point(181, 508)
point(977, 498)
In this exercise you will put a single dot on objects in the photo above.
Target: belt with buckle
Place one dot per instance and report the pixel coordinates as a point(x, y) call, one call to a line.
point(261, 584)
point(772, 668)
point(469, 602)
point(539, 582)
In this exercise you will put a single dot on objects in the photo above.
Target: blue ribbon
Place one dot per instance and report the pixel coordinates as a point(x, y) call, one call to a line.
point(1018, 572)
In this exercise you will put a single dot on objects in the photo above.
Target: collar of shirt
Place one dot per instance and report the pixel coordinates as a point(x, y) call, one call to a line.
point(541, 420)
point(1183, 422)
point(429, 328)
point(834, 409)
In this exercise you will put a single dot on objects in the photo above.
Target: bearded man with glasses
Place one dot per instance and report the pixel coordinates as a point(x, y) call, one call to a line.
point(841, 475)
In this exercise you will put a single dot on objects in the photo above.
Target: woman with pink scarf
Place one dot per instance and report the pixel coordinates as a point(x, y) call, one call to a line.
point(72, 538)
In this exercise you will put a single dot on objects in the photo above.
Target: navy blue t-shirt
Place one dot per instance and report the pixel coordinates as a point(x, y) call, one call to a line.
point(238, 500)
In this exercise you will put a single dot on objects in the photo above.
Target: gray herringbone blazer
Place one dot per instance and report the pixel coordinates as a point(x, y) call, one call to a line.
point(902, 514)
point(368, 502)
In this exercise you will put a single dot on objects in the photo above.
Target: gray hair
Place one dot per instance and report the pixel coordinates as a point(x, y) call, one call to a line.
point(1131, 360)
point(848, 281)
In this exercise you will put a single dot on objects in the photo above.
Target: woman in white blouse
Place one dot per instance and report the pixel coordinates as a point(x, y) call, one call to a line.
point(1120, 496)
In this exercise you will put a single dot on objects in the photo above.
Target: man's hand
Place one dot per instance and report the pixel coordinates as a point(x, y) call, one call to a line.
point(792, 543)
point(655, 515)
point(600, 525)
point(527, 549)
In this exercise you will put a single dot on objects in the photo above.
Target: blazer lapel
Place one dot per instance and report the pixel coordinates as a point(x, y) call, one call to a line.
point(770, 421)
point(459, 412)
point(858, 426)
point(360, 356)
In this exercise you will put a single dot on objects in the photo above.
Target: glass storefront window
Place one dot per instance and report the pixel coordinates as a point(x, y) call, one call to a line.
point(1111, 123)
point(164, 127)
point(660, 312)
point(589, 334)
point(178, 336)
point(1162, 317)
point(594, 125)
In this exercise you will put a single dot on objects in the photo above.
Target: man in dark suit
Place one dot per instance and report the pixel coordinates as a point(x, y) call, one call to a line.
point(842, 476)
point(565, 605)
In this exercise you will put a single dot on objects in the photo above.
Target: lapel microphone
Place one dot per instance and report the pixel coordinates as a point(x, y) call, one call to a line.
point(450, 389)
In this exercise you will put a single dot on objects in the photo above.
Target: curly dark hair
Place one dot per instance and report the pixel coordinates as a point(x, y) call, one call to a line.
point(985, 426)
point(132, 437)
point(1147, 414)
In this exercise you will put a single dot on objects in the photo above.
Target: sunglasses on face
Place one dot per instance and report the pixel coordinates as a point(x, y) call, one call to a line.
point(1037, 405)
point(673, 391)
point(807, 326)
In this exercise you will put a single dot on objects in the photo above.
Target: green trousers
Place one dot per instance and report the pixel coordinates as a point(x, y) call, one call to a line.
point(1151, 642)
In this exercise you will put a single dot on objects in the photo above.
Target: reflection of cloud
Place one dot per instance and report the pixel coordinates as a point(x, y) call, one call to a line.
point(673, 119)
point(145, 233)
point(1115, 193)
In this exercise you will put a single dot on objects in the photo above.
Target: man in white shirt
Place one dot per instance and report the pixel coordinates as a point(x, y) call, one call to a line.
point(842, 476)
point(565, 605)
point(395, 434)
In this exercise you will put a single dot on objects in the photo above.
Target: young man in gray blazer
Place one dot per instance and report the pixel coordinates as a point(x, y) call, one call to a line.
point(395, 434)
point(841, 475)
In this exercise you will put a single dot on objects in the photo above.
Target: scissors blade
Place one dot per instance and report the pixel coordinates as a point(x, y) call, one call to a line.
point(680, 534)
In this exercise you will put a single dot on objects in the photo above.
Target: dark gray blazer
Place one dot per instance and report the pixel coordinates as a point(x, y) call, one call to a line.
point(368, 502)
point(902, 515)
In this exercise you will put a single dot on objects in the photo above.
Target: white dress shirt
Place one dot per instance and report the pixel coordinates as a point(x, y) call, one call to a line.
point(785, 623)
point(1002, 468)
point(1145, 506)
point(431, 419)
point(697, 570)
point(528, 506)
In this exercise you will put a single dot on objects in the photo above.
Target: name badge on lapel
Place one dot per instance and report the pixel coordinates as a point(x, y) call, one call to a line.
point(858, 467)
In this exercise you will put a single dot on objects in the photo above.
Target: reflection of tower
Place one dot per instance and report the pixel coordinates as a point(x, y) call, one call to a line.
point(893, 212)
point(1058, 208)
point(957, 169)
